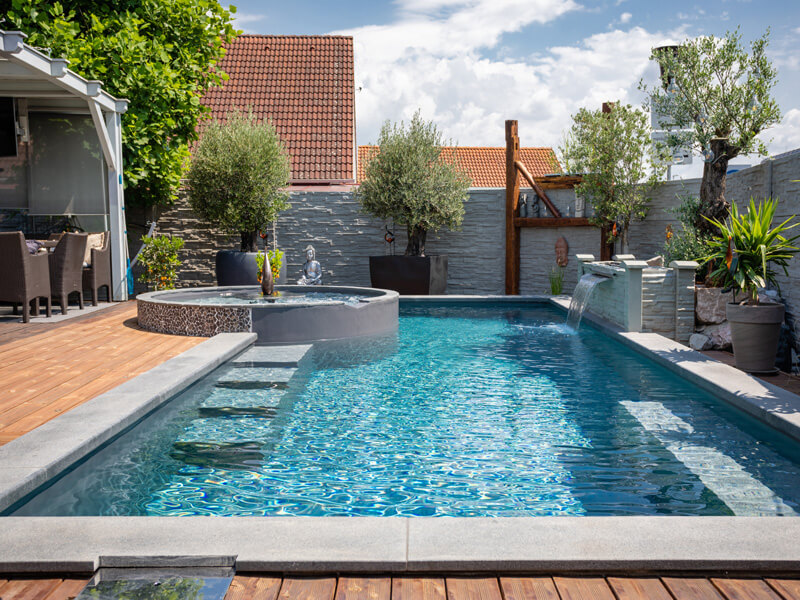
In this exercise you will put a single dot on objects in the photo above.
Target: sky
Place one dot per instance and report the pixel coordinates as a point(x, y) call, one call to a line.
point(469, 65)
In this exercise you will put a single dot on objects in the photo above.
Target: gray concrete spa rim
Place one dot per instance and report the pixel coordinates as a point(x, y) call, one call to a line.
point(188, 312)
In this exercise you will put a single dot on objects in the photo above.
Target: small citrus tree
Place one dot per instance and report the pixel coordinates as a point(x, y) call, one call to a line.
point(160, 260)
point(238, 175)
point(620, 165)
point(410, 182)
point(720, 94)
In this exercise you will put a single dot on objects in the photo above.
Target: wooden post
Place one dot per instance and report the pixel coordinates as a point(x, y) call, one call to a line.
point(512, 200)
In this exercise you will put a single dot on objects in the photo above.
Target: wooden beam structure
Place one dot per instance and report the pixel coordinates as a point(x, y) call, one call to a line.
point(552, 222)
point(512, 200)
point(537, 188)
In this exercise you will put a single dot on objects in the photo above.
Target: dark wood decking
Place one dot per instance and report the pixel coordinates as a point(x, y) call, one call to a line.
point(46, 369)
point(247, 587)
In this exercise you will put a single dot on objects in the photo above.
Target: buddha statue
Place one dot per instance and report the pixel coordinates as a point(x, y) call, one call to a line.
point(312, 270)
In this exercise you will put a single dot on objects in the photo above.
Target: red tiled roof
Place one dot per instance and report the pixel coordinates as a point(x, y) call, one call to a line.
point(304, 85)
point(486, 166)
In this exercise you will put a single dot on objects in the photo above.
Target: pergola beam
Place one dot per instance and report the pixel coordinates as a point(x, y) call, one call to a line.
point(102, 134)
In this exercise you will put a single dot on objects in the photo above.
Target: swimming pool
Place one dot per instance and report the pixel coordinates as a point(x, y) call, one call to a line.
point(471, 410)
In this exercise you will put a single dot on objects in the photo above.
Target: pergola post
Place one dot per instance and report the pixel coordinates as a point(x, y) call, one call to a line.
point(116, 210)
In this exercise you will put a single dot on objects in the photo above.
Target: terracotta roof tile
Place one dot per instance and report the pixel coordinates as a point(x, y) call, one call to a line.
point(305, 86)
point(486, 166)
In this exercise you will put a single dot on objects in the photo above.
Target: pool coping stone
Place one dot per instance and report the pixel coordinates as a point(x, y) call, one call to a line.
point(399, 544)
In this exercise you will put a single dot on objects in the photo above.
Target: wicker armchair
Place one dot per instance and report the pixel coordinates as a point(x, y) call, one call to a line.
point(66, 269)
point(98, 273)
point(23, 276)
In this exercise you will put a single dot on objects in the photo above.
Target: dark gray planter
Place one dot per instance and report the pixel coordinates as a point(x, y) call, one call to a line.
point(236, 268)
point(754, 332)
point(409, 275)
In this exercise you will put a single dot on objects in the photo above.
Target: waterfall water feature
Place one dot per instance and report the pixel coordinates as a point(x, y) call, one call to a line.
point(580, 298)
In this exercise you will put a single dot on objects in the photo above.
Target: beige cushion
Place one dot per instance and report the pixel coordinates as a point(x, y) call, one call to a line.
point(94, 240)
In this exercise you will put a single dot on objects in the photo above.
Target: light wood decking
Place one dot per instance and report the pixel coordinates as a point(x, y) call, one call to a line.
point(457, 588)
point(47, 369)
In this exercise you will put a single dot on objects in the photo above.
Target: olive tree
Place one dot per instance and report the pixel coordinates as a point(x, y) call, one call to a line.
point(409, 181)
point(719, 93)
point(619, 163)
point(238, 176)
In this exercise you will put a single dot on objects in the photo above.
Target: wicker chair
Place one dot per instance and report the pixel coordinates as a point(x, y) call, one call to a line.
point(98, 273)
point(23, 276)
point(66, 269)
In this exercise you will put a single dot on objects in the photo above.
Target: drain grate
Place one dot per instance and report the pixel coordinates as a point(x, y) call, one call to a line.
point(158, 584)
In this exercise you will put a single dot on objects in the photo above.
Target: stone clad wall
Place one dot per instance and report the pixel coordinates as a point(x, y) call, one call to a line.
point(658, 301)
point(344, 238)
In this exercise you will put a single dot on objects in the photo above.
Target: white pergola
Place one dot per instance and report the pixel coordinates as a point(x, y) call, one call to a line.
point(47, 85)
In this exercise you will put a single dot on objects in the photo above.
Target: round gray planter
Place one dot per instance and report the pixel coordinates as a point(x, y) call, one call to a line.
point(755, 330)
point(236, 268)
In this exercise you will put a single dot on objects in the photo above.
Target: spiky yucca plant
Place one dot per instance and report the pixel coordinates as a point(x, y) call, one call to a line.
point(748, 248)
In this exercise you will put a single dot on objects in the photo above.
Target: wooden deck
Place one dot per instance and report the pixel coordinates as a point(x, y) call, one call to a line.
point(47, 369)
point(456, 588)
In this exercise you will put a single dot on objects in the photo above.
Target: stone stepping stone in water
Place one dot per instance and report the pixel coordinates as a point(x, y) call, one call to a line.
point(255, 377)
point(233, 430)
point(233, 398)
point(272, 356)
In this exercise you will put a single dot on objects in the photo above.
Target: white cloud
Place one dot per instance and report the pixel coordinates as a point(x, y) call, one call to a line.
point(436, 62)
point(625, 17)
point(241, 20)
point(786, 135)
point(435, 58)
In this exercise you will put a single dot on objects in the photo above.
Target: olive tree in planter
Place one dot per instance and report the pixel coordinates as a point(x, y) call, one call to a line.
point(621, 167)
point(237, 180)
point(744, 255)
point(409, 181)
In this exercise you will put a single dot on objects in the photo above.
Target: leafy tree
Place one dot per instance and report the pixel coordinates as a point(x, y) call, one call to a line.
point(721, 93)
point(162, 55)
point(409, 181)
point(619, 163)
point(238, 175)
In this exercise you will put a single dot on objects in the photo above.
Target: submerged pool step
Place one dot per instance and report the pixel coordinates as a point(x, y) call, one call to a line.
point(273, 356)
point(255, 377)
point(223, 397)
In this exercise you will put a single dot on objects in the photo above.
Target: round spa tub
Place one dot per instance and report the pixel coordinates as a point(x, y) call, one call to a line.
point(297, 314)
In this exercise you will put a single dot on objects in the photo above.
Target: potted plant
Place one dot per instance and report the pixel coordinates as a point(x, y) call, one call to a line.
point(237, 180)
point(744, 255)
point(409, 182)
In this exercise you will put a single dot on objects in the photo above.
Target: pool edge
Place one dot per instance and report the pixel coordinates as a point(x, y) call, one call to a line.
point(403, 545)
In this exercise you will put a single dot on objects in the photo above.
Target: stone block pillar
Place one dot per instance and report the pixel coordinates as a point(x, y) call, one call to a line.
point(582, 260)
point(684, 298)
point(633, 299)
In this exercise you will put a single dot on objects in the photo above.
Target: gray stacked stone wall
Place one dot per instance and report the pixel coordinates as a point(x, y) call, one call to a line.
point(684, 299)
point(538, 256)
point(658, 301)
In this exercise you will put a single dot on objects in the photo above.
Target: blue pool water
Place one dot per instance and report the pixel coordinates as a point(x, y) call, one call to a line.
point(471, 410)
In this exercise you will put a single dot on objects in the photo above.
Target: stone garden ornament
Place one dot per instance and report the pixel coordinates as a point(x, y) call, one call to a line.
point(312, 270)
